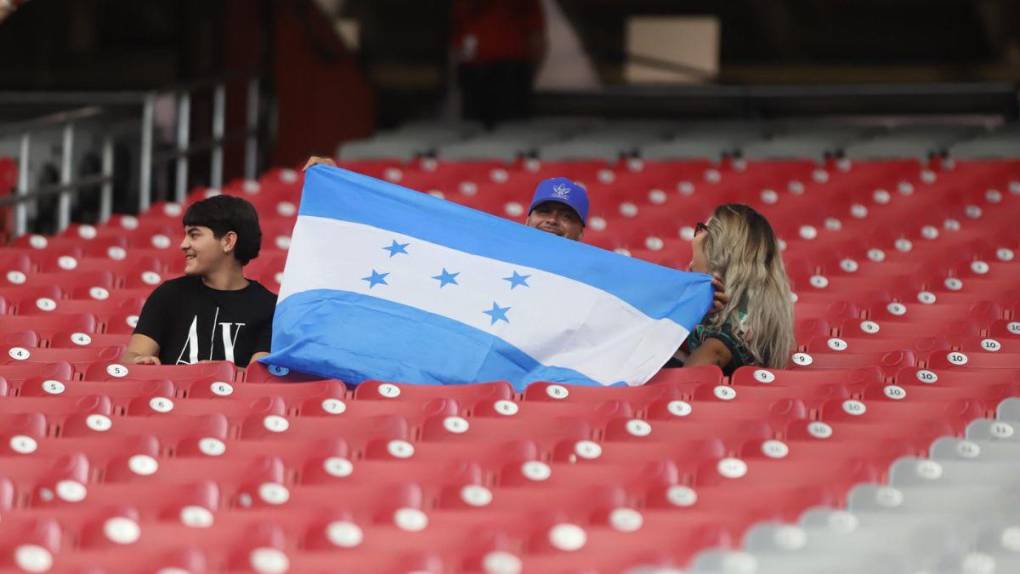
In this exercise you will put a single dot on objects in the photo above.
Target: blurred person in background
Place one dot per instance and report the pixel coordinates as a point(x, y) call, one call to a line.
point(497, 46)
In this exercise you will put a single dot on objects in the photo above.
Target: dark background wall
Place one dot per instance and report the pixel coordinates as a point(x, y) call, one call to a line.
point(401, 70)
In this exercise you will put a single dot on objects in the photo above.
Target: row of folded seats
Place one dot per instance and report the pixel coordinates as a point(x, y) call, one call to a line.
point(854, 235)
point(658, 227)
point(77, 353)
point(586, 138)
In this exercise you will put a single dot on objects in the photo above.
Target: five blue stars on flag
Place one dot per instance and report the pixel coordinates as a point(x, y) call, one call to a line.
point(496, 313)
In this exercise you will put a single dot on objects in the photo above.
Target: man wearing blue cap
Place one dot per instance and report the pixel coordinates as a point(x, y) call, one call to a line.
point(560, 207)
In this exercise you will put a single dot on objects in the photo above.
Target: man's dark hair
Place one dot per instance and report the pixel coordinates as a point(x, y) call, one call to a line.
point(224, 213)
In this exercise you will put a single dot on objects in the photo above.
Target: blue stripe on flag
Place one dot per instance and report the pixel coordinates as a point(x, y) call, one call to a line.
point(344, 195)
point(417, 344)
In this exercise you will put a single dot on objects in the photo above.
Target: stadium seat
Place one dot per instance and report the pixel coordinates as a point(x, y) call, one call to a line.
point(755, 502)
point(464, 456)
point(15, 266)
point(79, 358)
point(16, 373)
point(957, 413)
point(182, 435)
point(889, 362)
point(357, 432)
point(837, 475)
point(732, 431)
point(47, 326)
point(20, 339)
point(687, 455)
point(853, 379)
point(182, 375)
point(960, 360)
point(466, 395)
point(74, 339)
point(541, 429)
point(120, 392)
point(27, 300)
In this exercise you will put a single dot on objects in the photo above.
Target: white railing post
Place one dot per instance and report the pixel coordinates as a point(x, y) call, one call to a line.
point(251, 150)
point(66, 174)
point(218, 129)
point(21, 208)
point(106, 191)
point(183, 134)
point(145, 175)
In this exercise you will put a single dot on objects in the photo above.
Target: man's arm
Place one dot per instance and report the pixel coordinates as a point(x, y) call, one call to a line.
point(315, 160)
point(256, 356)
point(141, 350)
point(711, 352)
point(263, 342)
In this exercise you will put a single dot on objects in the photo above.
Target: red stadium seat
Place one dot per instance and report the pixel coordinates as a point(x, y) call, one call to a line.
point(20, 339)
point(731, 431)
point(959, 360)
point(912, 434)
point(50, 481)
point(32, 543)
point(988, 394)
point(751, 503)
point(76, 339)
point(182, 375)
point(838, 475)
point(15, 266)
point(18, 372)
point(79, 358)
point(32, 300)
point(357, 432)
point(572, 394)
point(480, 454)
point(956, 413)
point(260, 373)
point(853, 379)
point(292, 394)
point(49, 325)
point(543, 430)
point(185, 436)
point(16, 428)
point(465, 394)
point(889, 362)
point(120, 392)
point(687, 455)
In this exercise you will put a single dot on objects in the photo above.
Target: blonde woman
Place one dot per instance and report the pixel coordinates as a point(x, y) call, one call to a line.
point(755, 327)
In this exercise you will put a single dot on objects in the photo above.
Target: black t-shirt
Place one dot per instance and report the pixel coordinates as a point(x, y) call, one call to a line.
point(193, 322)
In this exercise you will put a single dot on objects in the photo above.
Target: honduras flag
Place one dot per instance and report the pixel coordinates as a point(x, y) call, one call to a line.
point(386, 283)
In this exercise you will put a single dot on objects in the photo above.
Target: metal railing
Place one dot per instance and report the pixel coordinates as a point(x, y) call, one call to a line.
point(102, 107)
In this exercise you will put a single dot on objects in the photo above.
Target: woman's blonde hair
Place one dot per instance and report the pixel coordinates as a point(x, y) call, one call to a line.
point(741, 247)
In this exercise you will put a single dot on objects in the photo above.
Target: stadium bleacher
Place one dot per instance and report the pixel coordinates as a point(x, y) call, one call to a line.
point(888, 445)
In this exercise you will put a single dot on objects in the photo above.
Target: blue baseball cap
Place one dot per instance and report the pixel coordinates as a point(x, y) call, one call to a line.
point(562, 190)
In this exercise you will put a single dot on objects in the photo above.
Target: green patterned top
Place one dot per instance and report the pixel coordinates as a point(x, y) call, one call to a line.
point(740, 354)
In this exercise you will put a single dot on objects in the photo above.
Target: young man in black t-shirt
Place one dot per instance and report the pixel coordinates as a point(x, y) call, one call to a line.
point(212, 313)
